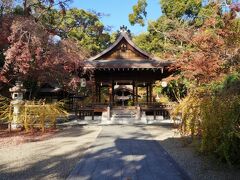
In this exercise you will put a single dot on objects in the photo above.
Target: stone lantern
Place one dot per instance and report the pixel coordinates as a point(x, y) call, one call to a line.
point(17, 101)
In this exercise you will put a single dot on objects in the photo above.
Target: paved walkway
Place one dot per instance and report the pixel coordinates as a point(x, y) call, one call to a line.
point(126, 153)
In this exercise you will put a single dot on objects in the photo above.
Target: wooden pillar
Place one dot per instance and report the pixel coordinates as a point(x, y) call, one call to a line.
point(93, 89)
point(150, 92)
point(112, 102)
point(133, 92)
point(96, 92)
point(147, 91)
point(99, 93)
point(110, 93)
point(136, 93)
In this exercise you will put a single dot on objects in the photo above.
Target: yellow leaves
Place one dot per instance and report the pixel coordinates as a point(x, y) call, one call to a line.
point(41, 114)
point(33, 113)
point(213, 117)
point(5, 109)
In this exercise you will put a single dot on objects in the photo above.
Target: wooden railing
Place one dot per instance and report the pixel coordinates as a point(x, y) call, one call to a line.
point(89, 110)
point(157, 109)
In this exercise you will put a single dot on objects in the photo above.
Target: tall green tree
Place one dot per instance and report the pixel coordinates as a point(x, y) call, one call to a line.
point(139, 13)
point(165, 37)
point(181, 8)
point(86, 28)
point(83, 26)
point(5, 6)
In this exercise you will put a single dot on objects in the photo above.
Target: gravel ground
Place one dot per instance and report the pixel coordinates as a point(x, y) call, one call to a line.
point(53, 158)
point(197, 166)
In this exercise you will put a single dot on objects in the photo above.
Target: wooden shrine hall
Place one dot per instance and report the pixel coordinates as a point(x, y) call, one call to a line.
point(123, 63)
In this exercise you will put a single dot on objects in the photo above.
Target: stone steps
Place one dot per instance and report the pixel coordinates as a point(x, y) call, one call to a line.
point(128, 121)
point(123, 116)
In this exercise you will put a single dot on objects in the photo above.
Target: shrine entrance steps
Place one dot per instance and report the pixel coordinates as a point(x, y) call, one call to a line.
point(122, 115)
point(126, 115)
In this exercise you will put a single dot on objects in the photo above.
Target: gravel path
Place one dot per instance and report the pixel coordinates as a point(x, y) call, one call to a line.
point(197, 166)
point(48, 159)
point(126, 152)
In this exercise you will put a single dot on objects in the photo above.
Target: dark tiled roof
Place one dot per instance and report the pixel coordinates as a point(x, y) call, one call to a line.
point(123, 63)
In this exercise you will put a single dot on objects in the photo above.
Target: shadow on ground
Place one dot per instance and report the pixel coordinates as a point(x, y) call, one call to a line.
point(127, 155)
point(47, 159)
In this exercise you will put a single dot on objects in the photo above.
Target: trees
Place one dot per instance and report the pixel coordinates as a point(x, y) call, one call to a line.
point(139, 13)
point(165, 37)
point(204, 42)
point(30, 49)
point(86, 28)
point(5, 6)
point(197, 36)
point(181, 8)
point(34, 56)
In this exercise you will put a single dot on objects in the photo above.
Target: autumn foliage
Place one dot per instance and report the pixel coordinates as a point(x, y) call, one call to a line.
point(34, 53)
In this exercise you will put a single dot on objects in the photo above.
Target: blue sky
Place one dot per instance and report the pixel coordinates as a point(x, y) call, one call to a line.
point(118, 11)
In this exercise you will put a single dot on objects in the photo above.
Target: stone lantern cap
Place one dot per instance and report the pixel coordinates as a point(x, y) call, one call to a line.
point(18, 88)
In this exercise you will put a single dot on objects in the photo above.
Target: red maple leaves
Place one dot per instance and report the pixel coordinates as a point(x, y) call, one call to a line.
point(33, 54)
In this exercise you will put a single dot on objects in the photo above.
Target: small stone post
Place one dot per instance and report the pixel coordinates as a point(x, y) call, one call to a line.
point(138, 116)
point(17, 101)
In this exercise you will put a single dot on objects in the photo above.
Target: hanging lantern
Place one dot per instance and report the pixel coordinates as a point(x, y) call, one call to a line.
point(164, 84)
point(83, 82)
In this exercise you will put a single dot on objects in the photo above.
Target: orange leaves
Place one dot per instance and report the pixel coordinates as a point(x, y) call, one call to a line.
point(203, 62)
point(32, 53)
point(207, 41)
point(201, 66)
point(5, 24)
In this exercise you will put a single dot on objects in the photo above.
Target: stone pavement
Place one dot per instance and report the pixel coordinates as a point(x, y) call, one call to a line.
point(126, 153)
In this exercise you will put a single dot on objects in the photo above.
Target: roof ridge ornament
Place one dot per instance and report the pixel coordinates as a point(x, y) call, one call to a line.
point(124, 29)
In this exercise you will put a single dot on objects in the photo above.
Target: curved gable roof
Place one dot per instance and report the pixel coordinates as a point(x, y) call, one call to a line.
point(123, 36)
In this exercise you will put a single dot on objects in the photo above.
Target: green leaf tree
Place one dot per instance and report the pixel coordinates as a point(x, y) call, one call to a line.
point(139, 13)
point(181, 8)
